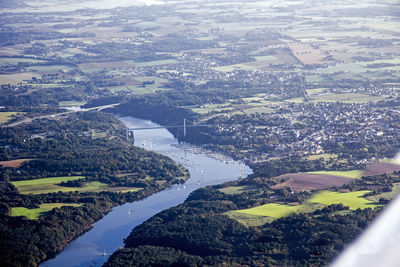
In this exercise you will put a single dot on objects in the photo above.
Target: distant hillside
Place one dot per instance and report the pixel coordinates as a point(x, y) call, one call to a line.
point(11, 3)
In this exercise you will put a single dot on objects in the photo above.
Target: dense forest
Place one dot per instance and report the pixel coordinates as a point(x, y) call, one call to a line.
point(197, 233)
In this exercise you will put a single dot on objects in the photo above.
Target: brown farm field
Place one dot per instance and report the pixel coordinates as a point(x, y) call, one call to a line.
point(308, 181)
point(307, 54)
point(380, 168)
point(13, 163)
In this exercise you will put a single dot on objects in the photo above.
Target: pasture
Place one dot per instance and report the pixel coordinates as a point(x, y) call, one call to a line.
point(16, 78)
point(235, 190)
point(159, 84)
point(353, 200)
point(260, 215)
point(213, 108)
point(248, 219)
point(151, 63)
point(386, 195)
point(15, 60)
point(324, 156)
point(273, 210)
point(6, 116)
point(50, 68)
point(71, 103)
point(346, 98)
point(99, 66)
point(34, 214)
point(51, 185)
point(48, 185)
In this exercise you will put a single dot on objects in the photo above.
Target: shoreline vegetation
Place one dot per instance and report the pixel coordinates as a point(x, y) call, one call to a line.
point(53, 211)
point(306, 95)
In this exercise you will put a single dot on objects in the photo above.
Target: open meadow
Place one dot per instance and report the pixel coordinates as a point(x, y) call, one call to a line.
point(35, 214)
point(52, 185)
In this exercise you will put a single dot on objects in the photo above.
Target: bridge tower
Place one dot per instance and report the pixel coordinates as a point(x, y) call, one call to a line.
point(130, 134)
point(184, 127)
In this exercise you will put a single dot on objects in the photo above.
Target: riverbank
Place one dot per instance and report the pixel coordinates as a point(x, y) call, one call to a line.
point(108, 233)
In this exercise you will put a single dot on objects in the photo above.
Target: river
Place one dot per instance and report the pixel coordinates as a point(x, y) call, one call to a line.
point(95, 246)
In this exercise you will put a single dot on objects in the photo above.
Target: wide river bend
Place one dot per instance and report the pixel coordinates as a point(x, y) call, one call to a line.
point(95, 246)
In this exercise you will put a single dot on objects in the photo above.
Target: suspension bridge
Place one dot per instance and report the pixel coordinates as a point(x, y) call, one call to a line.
point(130, 131)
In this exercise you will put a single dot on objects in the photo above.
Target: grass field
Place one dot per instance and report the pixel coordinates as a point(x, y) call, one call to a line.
point(248, 219)
point(229, 68)
point(268, 212)
point(71, 103)
point(273, 210)
point(355, 174)
point(6, 116)
point(46, 185)
point(352, 199)
point(15, 60)
point(51, 68)
point(295, 100)
point(99, 66)
point(16, 78)
point(129, 190)
point(346, 98)
point(151, 63)
point(34, 214)
point(214, 107)
point(386, 195)
point(51, 185)
point(234, 190)
point(324, 156)
point(146, 89)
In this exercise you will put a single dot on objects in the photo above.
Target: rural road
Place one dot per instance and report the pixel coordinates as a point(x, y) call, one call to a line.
point(57, 115)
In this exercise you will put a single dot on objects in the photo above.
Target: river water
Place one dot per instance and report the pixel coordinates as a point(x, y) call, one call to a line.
point(95, 246)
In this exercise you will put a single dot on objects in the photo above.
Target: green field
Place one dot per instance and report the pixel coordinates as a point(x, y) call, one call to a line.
point(6, 116)
point(234, 190)
point(214, 107)
point(273, 210)
point(34, 214)
point(259, 109)
point(71, 103)
point(158, 85)
point(386, 195)
point(248, 219)
point(51, 185)
point(355, 174)
point(229, 68)
point(152, 63)
point(346, 98)
point(15, 60)
point(48, 68)
point(324, 156)
point(352, 199)
point(134, 189)
point(295, 100)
